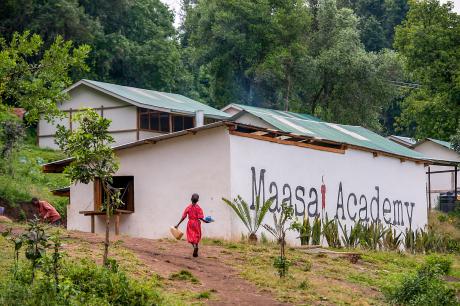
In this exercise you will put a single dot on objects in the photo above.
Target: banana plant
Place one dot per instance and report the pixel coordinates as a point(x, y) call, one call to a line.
point(251, 221)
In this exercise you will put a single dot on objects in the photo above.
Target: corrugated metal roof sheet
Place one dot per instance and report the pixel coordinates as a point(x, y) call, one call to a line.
point(274, 112)
point(169, 101)
point(408, 140)
point(441, 142)
point(347, 134)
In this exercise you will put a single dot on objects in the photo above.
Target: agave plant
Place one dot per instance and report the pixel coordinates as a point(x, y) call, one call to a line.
point(409, 240)
point(372, 236)
point(331, 233)
point(351, 239)
point(316, 231)
point(251, 221)
point(392, 241)
point(304, 230)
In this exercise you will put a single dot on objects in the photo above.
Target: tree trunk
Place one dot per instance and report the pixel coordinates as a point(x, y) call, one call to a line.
point(252, 238)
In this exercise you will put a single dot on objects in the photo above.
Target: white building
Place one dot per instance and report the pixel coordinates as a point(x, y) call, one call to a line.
point(135, 113)
point(365, 176)
point(440, 179)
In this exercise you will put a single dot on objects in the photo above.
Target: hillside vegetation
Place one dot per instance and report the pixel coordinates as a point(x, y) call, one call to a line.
point(22, 178)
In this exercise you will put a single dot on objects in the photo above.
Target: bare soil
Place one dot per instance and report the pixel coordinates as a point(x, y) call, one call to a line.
point(165, 257)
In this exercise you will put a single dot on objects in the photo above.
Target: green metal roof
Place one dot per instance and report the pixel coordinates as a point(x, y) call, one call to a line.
point(353, 135)
point(168, 101)
point(443, 143)
point(267, 111)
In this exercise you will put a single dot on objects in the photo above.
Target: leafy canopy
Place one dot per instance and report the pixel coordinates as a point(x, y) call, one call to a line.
point(429, 41)
point(89, 146)
point(33, 77)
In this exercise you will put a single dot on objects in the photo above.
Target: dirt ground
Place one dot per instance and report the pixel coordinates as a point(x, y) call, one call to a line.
point(165, 257)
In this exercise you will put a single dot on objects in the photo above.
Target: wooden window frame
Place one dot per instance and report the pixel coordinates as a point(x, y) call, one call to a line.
point(143, 111)
point(98, 194)
point(183, 122)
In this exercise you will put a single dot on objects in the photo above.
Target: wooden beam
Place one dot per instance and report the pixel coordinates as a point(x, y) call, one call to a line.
point(287, 142)
point(375, 154)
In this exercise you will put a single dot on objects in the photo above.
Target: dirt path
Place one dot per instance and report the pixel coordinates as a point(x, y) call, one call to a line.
point(165, 257)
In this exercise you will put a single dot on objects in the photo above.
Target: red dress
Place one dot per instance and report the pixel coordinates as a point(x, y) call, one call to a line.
point(48, 212)
point(194, 213)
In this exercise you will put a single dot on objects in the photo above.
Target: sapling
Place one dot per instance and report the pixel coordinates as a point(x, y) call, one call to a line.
point(279, 232)
point(93, 157)
point(17, 242)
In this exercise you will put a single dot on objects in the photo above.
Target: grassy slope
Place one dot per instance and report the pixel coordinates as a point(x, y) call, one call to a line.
point(313, 278)
point(330, 279)
point(27, 179)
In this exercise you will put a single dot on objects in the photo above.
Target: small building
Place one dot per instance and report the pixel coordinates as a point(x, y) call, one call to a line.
point(135, 113)
point(440, 178)
point(321, 169)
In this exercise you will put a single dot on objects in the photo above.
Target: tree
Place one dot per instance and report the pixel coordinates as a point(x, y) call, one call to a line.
point(33, 78)
point(279, 232)
point(455, 140)
point(429, 41)
point(133, 42)
point(89, 146)
point(243, 211)
point(290, 55)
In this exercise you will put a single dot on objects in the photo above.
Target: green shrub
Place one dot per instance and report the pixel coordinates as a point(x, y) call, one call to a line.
point(425, 287)
point(442, 263)
point(82, 283)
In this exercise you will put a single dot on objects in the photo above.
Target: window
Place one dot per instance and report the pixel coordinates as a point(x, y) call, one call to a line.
point(152, 120)
point(182, 123)
point(209, 120)
point(125, 184)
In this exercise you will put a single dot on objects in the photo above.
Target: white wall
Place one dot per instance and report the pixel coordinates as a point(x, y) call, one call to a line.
point(216, 164)
point(86, 97)
point(166, 174)
point(358, 171)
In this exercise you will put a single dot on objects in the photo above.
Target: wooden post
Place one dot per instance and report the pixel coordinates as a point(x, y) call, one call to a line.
point(70, 119)
point(429, 190)
point(92, 224)
point(117, 224)
point(455, 182)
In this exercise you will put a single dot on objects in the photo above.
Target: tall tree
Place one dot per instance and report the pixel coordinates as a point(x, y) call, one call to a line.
point(290, 55)
point(133, 40)
point(33, 77)
point(429, 41)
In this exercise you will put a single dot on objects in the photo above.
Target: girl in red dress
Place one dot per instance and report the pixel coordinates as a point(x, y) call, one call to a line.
point(195, 216)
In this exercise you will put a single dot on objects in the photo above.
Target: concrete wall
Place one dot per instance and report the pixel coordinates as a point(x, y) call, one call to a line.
point(216, 164)
point(440, 182)
point(166, 174)
point(296, 174)
point(123, 119)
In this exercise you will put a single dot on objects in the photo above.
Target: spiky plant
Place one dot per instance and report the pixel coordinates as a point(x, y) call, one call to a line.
point(351, 239)
point(331, 233)
point(316, 231)
point(392, 241)
point(304, 230)
point(251, 221)
point(372, 236)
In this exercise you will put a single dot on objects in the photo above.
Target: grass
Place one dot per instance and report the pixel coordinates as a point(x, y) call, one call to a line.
point(319, 277)
point(27, 180)
point(184, 275)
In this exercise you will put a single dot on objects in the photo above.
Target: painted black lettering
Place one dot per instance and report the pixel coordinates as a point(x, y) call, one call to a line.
point(300, 189)
point(313, 203)
point(375, 200)
point(288, 199)
point(409, 215)
point(274, 197)
point(355, 203)
point(398, 213)
point(386, 210)
point(363, 209)
point(256, 192)
point(340, 203)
